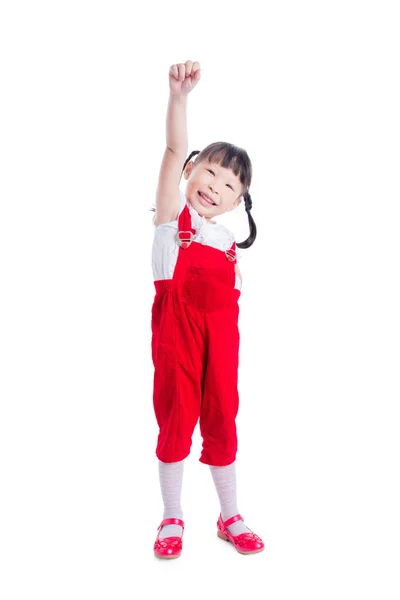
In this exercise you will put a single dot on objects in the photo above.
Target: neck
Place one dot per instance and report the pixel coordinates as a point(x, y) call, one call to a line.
point(208, 219)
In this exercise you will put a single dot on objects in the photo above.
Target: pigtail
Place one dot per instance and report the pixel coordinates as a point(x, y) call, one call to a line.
point(252, 226)
point(188, 158)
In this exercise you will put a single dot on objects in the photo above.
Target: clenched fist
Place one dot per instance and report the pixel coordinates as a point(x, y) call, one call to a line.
point(183, 77)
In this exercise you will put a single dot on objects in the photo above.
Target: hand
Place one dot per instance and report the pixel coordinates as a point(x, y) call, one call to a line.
point(183, 77)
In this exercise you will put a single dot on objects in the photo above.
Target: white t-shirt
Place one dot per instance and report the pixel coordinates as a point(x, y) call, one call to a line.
point(165, 249)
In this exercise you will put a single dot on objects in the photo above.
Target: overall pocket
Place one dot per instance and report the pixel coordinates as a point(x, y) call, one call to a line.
point(207, 288)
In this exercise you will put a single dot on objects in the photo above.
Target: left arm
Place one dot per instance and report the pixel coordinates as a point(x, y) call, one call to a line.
point(237, 270)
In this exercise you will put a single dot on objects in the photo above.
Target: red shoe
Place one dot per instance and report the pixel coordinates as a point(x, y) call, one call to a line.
point(245, 543)
point(169, 547)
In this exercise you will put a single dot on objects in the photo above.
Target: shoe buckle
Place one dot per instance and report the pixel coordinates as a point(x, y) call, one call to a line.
point(184, 238)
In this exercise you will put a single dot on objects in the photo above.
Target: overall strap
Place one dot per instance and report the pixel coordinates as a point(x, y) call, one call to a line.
point(185, 229)
point(231, 253)
point(186, 232)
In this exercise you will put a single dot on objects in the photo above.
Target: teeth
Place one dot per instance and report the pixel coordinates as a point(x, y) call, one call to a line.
point(205, 197)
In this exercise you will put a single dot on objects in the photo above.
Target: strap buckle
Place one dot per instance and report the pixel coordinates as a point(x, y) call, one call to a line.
point(230, 255)
point(184, 238)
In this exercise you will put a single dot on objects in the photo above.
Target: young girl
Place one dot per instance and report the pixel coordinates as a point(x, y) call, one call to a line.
point(195, 337)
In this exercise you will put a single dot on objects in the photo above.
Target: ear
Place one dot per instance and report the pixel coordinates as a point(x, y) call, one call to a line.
point(188, 169)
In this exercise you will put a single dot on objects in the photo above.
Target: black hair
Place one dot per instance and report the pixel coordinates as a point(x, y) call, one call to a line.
point(234, 158)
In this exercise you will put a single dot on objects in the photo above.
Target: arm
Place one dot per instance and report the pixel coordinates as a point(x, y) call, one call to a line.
point(167, 194)
point(237, 270)
point(182, 79)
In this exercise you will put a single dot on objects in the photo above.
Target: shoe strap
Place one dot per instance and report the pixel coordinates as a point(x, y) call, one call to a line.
point(232, 520)
point(171, 522)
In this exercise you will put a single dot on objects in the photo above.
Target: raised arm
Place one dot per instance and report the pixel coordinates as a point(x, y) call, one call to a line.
point(182, 79)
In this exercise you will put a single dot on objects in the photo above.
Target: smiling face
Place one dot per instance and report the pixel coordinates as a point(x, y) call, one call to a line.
point(221, 186)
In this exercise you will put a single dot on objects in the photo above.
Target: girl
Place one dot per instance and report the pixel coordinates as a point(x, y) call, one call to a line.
point(195, 337)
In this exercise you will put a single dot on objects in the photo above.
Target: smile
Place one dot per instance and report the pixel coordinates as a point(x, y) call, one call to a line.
point(206, 199)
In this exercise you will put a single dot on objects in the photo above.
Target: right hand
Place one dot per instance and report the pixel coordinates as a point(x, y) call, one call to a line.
point(183, 77)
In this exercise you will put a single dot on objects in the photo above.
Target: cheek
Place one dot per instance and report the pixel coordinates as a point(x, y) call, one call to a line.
point(226, 205)
point(191, 191)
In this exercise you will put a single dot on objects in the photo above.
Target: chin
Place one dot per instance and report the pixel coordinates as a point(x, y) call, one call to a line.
point(202, 210)
point(199, 207)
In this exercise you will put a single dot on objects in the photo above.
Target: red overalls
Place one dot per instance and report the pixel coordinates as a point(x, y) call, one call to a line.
point(195, 351)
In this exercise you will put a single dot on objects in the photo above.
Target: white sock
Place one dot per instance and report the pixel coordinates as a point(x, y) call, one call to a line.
point(225, 483)
point(171, 476)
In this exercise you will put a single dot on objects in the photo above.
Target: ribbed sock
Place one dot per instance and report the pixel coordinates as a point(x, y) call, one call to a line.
point(171, 476)
point(225, 484)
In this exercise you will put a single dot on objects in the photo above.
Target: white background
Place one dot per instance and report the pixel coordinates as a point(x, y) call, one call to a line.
point(311, 91)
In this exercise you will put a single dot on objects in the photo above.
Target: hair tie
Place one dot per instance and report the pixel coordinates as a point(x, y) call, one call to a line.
point(247, 202)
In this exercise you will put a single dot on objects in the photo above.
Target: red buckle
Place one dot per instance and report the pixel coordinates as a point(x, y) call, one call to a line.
point(184, 240)
point(230, 255)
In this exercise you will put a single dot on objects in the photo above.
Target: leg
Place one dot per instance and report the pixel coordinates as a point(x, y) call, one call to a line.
point(220, 388)
point(225, 484)
point(171, 476)
point(177, 347)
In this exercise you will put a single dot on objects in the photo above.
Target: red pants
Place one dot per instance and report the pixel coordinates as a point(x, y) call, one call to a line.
point(195, 351)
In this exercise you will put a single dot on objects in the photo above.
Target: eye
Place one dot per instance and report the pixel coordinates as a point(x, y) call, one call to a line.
point(228, 184)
